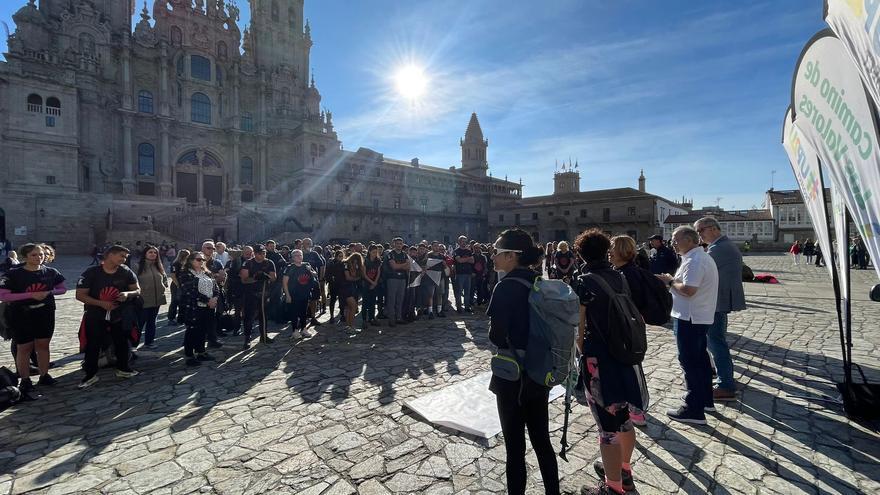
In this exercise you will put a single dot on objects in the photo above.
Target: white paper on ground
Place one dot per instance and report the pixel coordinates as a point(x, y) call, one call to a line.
point(467, 406)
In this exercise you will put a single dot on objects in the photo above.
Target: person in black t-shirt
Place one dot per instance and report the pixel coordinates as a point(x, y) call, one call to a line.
point(298, 283)
point(464, 274)
point(107, 291)
point(563, 263)
point(274, 309)
point(316, 261)
point(29, 290)
point(335, 278)
point(234, 286)
point(176, 266)
point(372, 275)
point(397, 270)
point(256, 276)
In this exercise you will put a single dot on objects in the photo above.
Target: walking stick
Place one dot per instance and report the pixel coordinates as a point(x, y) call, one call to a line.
point(564, 440)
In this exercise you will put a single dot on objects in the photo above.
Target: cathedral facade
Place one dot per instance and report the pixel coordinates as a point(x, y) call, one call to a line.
point(186, 128)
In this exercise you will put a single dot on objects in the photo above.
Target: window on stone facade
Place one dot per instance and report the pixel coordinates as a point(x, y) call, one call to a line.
point(201, 108)
point(535, 215)
point(35, 103)
point(200, 67)
point(631, 211)
point(146, 160)
point(53, 106)
point(145, 102)
point(566, 212)
point(292, 15)
point(396, 203)
point(247, 122)
point(50, 179)
point(516, 219)
point(180, 66)
point(606, 214)
point(222, 51)
point(247, 171)
point(219, 76)
point(179, 95)
point(50, 121)
point(247, 196)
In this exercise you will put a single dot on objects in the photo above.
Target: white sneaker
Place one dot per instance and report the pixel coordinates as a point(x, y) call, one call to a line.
point(297, 335)
point(88, 382)
point(126, 374)
point(308, 332)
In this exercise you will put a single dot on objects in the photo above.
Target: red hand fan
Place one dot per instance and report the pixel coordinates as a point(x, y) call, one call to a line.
point(108, 294)
point(37, 287)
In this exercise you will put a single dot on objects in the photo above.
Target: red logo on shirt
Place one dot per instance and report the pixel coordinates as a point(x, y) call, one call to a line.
point(304, 279)
point(37, 287)
point(108, 294)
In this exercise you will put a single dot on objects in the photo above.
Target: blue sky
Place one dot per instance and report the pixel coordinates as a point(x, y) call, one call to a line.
point(692, 92)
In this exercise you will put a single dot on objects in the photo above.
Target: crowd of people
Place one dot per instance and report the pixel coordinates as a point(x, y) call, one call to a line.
point(220, 292)
point(811, 253)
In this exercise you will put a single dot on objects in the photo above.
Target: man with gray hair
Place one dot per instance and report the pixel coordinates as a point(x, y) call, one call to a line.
point(728, 260)
point(694, 290)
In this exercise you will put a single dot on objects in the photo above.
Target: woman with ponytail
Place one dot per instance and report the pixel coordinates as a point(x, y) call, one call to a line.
point(522, 403)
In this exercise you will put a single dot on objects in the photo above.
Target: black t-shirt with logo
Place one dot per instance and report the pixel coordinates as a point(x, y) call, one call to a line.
point(371, 267)
point(18, 281)
point(254, 267)
point(398, 257)
point(301, 279)
point(564, 260)
point(106, 286)
point(463, 268)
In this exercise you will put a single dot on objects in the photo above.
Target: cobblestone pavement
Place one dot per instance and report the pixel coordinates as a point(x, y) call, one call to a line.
point(324, 415)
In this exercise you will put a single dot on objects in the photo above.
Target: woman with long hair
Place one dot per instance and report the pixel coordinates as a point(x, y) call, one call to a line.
point(354, 272)
point(199, 294)
point(549, 250)
point(30, 289)
point(153, 282)
point(522, 403)
point(177, 266)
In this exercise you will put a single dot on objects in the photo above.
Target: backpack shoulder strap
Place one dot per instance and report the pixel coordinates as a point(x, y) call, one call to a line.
point(602, 284)
point(521, 281)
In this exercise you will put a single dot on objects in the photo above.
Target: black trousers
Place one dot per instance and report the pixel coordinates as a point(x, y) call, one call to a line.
point(515, 418)
point(96, 333)
point(253, 309)
point(194, 337)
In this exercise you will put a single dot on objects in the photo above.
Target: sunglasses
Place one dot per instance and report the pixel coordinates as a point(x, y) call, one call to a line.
point(502, 251)
point(199, 259)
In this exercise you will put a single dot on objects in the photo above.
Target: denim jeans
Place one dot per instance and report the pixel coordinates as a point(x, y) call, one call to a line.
point(394, 301)
point(694, 359)
point(461, 286)
point(721, 352)
point(147, 323)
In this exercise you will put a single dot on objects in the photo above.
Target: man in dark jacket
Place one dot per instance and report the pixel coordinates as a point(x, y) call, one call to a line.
point(731, 297)
point(663, 260)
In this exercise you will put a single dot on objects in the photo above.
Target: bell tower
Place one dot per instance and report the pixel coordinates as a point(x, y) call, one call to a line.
point(567, 181)
point(473, 149)
point(280, 36)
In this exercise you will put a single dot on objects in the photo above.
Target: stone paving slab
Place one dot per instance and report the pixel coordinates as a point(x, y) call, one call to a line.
point(324, 416)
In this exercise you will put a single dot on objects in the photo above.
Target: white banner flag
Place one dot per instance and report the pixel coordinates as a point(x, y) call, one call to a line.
point(838, 213)
point(857, 24)
point(805, 165)
point(837, 118)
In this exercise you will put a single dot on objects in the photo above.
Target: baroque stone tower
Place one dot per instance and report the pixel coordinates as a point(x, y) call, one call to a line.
point(473, 149)
point(568, 180)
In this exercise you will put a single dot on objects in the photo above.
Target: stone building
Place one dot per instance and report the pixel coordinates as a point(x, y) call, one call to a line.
point(738, 225)
point(569, 211)
point(790, 215)
point(186, 128)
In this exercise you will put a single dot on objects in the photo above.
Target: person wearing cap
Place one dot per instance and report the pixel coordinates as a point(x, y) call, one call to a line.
point(256, 276)
point(663, 260)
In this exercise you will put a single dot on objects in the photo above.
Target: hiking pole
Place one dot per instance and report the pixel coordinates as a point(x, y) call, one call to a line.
point(564, 441)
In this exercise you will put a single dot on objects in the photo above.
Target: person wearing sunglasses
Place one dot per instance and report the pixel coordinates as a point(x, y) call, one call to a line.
point(199, 294)
point(522, 403)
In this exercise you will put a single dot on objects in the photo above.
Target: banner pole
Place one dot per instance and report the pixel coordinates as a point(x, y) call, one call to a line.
point(835, 281)
point(847, 306)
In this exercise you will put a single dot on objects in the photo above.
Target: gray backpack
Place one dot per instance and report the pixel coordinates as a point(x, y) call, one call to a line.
point(554, 313)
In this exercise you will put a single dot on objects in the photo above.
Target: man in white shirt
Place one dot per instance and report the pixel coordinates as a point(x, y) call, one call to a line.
point(694, 296)
point(222, 255)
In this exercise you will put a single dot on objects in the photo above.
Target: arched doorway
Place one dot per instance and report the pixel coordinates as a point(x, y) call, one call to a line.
point(199, 177)
point(559, 230)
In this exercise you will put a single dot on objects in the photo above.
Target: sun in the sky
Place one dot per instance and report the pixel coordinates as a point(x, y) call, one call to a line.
point(411, 82)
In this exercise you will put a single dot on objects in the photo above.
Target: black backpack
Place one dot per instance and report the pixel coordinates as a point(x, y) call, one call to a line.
point(658, 300)
point(626, 340)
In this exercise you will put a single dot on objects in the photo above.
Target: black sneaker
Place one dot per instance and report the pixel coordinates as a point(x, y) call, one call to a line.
point(215, 345)
point(205, 357)
point(430, 316)
point(683, 415)
point(26, 387)
point(192, 361)
point(47, 380)
point(626, 476)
